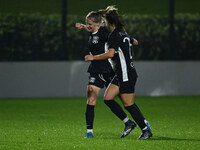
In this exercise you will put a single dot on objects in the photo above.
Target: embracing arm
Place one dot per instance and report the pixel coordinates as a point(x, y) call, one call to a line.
point(109, 54)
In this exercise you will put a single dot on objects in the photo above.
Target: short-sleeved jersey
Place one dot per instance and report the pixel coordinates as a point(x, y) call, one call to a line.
point(123, 58)
point(98, 44)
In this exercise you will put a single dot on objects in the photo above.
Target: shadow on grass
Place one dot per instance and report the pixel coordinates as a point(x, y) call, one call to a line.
point(134, 137)
point(157, 138)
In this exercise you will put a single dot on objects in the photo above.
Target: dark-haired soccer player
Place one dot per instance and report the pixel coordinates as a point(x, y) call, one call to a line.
point(101, 71)
point(123, 83)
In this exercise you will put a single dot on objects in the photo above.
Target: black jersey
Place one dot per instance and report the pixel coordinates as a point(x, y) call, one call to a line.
point(97, 44)
point(123, 58)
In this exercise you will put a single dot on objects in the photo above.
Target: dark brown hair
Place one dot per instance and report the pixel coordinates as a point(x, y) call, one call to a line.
point(113, 18)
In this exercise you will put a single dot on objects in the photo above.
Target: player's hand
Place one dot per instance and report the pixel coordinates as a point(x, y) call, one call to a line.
point(89, 57)
point(135, 42)
point(79, 25)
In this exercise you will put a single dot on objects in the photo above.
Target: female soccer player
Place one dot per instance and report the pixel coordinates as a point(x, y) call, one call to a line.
point(123, 83)
point(101, 71)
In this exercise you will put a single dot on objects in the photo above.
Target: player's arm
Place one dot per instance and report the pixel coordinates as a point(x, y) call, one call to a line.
point(109, 54)
point(81, 26)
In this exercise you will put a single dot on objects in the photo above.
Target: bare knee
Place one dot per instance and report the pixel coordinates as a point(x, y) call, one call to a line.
point(109, 96)
point(127, 99)
point(127, 103)
point(92, 96)
point(91, 101)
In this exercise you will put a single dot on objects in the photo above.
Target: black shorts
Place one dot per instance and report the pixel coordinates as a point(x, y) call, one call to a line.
point(127, 86)
point(100, 80)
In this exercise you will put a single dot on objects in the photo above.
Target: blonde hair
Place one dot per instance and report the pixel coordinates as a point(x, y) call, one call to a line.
point(99, 16)
point(95, 16)
point(111, 8)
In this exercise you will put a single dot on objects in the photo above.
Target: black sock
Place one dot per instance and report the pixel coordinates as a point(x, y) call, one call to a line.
point(89, 115)
point(116, 109)
point(137, 115)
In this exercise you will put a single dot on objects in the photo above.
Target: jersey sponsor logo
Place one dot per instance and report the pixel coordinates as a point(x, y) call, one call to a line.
point(95, 39)
point(92, 79)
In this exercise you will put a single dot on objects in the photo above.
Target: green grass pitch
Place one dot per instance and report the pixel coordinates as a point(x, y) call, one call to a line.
point(59, 124)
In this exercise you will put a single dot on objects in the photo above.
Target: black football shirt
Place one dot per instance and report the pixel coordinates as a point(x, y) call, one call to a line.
point(98, 44)
point(123, 58)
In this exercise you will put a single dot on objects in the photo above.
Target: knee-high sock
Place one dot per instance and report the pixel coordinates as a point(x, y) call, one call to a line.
point(137, 115)
point(116, 109)
point(89, 115)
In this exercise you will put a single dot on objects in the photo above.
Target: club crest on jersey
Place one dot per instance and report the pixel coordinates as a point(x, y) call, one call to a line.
point(95, 39)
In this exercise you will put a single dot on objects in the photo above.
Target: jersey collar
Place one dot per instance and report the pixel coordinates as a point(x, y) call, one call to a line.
point(95, 32)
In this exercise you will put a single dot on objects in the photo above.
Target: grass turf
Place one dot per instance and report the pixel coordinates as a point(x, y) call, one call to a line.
point(60, 124)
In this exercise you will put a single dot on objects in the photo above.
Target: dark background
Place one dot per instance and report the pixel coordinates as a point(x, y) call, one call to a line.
point(31, 30)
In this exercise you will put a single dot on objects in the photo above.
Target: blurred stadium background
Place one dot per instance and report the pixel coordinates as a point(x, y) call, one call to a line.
point(41, 52)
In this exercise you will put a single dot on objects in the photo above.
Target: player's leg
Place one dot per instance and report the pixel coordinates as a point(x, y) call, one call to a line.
point(92, 94)
point(132, 108)
point(111, 92)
